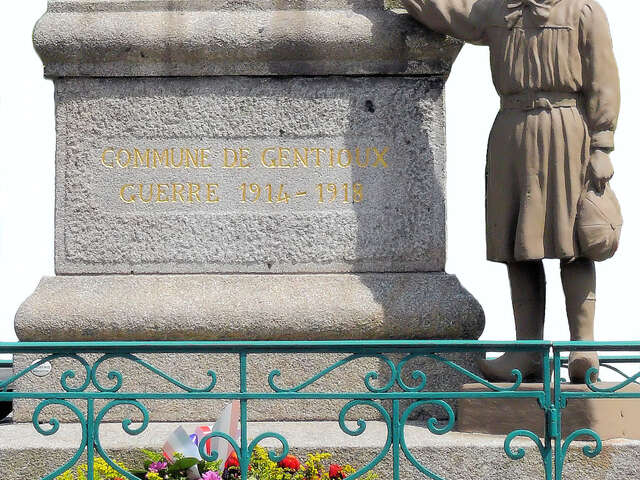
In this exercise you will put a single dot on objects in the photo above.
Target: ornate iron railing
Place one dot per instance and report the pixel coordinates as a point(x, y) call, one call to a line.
point(396, 390)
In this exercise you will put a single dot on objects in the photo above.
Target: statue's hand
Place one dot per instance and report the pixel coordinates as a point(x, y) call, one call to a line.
point(601, 169)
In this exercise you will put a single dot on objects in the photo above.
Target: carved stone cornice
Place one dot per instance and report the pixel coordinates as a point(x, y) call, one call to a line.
point(124, 38)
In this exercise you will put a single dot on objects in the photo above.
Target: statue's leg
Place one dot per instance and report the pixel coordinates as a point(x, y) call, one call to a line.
point(579, 283)
point(528, 296)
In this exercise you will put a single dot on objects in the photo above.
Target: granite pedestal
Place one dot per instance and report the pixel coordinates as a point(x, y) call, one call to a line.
point(269, 170)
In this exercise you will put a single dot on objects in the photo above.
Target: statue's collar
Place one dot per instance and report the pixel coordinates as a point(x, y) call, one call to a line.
point(540, 10)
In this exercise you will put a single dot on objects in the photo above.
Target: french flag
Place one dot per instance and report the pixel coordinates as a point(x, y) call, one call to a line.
point(187, 445)
point(227, 423)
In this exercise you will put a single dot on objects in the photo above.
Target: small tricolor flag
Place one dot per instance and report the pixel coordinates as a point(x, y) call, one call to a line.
point(179, 442)
point(227, 423)
point(187, 445)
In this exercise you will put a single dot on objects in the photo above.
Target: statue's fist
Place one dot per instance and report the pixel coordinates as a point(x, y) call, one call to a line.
point(601, 169)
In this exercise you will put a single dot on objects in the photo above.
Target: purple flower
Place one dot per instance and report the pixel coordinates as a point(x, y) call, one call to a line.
point(157, 466)
point(211, 475)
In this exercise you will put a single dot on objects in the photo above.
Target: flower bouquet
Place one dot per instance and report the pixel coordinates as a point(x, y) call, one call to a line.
point(261, 467)
point(180, 459)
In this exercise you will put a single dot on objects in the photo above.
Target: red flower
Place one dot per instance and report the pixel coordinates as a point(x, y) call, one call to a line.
point(290, 463)
point(232, 461)
point(335, 472)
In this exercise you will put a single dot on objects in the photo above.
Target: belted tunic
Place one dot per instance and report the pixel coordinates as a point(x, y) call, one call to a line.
point(553, 65)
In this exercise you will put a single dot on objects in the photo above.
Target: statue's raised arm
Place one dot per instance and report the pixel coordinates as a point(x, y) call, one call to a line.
point(463, 19)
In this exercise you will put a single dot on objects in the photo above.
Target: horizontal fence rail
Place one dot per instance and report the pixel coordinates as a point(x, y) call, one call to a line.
point(393, 393)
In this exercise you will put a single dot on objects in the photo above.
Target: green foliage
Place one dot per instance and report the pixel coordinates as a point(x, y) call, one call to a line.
point(101, 471)
point(205, 466)
point(314, 467)
point(68, 475)
point(182, 464)
point(262, 467)
point(152, 456)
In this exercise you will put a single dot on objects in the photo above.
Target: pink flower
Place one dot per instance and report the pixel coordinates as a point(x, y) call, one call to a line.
point(157, 466)
point(211, 475)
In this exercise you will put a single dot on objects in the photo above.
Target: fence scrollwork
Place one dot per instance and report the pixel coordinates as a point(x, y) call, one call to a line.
point(398, 396)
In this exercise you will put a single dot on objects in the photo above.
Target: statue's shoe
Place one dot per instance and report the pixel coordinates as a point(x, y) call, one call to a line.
point(500, 369)
point(579, 365)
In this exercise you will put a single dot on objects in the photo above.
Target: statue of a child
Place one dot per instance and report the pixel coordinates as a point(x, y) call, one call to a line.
point(553, 66)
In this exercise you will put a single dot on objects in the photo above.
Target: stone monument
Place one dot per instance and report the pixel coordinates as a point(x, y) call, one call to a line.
point(250, 170)
point(256, 170)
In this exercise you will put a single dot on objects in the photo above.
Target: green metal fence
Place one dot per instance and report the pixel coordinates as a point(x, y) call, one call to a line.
point(403, 395)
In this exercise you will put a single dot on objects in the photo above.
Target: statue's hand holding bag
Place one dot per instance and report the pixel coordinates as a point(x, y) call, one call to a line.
point(599, 219)
point(601, 169)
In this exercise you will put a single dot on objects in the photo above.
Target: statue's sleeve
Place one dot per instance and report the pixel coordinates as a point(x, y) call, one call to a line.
point(601, 83)
point(462, 19)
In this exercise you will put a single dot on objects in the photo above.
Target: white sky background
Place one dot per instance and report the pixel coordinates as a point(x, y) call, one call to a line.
point(27, 181)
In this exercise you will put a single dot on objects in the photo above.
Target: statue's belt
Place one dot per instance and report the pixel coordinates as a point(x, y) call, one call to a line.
point(534, 100)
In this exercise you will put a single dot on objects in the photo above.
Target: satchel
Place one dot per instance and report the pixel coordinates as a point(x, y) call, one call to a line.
point(598, 223)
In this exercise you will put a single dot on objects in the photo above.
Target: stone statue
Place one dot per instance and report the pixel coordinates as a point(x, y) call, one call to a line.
point(553, 65)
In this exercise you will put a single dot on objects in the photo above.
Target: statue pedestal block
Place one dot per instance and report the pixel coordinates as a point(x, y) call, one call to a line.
point(608, 417)
point(247, 308)
point(244, 176)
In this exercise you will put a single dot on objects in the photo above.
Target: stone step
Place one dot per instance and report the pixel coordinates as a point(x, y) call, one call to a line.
point(24, 454)
point(610, 417)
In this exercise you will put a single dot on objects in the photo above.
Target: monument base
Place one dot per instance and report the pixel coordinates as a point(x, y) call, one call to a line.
point(250, 307)
point(609, 417)
point(454, 456)
point(246, 307)
point(191, 370)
